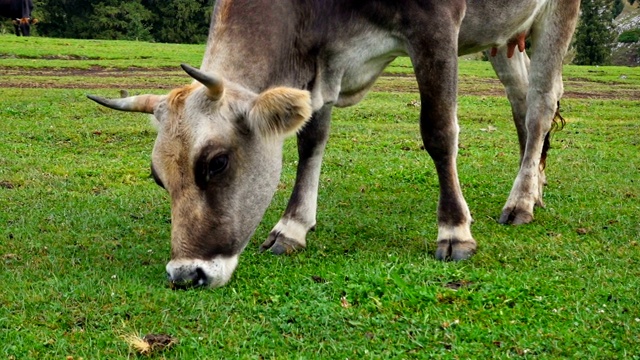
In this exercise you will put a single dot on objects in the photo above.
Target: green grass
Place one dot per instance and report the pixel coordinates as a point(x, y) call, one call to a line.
point(84, 231)
point(37, 52)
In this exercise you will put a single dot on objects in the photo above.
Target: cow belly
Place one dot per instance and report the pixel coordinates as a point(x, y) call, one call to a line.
point(358, 63)
point(358, 60)
point(355, 84)
point(486, 24)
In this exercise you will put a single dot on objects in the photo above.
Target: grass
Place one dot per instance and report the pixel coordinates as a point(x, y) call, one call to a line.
point(37, 52)
point(84, 231)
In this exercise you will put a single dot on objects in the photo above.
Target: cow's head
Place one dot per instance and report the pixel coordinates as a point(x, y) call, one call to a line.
point(23, 25)
point(218, 153)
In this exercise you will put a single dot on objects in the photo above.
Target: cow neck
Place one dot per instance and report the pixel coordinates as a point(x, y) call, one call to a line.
point(256, 49)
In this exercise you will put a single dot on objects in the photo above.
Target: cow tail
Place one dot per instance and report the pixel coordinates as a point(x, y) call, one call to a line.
point(558, 124)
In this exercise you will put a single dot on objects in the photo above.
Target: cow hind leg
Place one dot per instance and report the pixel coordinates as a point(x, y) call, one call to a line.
point(290, 232)
point(434, 55)
point(551, 36)
point(558, 124)
point(514, 74)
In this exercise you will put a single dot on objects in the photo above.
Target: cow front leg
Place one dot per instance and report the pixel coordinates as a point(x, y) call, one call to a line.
point(454, 219)
point(290, 232)
point(16, 27)
point(434, 55)
point(550, 37)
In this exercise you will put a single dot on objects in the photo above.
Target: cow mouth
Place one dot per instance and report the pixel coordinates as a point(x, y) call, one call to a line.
point(185, 274)
point(198, 279)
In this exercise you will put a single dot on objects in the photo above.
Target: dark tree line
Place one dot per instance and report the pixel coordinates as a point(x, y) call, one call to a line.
point(175, 21)
point(594, 35)
point(618, 6)
point(187, 21)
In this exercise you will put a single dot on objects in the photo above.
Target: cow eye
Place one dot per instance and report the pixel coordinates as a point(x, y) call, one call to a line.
point(217, 165)
point(206, 169)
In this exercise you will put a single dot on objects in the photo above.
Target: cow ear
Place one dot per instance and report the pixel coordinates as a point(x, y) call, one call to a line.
point(280, 111)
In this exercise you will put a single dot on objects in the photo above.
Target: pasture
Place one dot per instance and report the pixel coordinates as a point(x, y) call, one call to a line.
point(84, 231)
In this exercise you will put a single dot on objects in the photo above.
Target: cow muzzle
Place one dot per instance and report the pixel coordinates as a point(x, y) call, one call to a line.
point(188, 273)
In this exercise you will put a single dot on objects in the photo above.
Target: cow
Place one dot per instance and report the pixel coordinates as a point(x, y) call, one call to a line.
point(19, 11)
point(275, 68)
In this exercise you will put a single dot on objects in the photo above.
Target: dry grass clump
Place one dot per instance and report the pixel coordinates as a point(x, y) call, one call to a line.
point(150, 343)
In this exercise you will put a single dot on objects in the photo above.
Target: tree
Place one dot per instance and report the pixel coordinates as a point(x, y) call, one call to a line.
point(618, 6)
point(120, 20)
point(594, 34)
point(177, 21)
point(62, 18)
point(180, 21)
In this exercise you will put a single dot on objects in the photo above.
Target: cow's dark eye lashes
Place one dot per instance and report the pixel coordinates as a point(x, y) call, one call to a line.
point(217, 165)
point(210, 165)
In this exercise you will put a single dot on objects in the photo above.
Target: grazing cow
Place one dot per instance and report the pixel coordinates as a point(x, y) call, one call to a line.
point(19, 11)
point(276, 68)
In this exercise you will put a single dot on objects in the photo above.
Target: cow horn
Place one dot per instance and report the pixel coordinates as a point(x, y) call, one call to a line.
point(140, 103)
point(213, 84)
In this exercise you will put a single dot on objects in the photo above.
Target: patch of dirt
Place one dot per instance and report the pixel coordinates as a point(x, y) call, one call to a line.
point(6, 184)
point(574, 89)
point(455, 285)
point(16, 77)
point(53, 85)
point(47, 57)
point(93, 71)
point(389, 82)
point(318, 279)
point(614, 95)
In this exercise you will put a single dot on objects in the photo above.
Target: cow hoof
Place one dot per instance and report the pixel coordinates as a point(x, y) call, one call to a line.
point(455, 249)
point(515, 217)
point(279, 244)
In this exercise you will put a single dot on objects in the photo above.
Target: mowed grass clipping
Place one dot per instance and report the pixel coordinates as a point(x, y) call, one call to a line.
point(84, 231)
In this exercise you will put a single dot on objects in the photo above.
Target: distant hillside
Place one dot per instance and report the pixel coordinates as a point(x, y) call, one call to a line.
point(627, 53)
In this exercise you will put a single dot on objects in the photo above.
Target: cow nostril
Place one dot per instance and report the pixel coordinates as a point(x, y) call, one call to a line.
point(183, 280)
point(200, 278)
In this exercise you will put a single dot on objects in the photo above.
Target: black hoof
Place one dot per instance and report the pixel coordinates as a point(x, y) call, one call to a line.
point(279, 244)
point(515, 217)
point(455, 249)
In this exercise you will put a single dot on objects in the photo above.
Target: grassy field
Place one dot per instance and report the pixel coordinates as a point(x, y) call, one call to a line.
point(84, 231)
